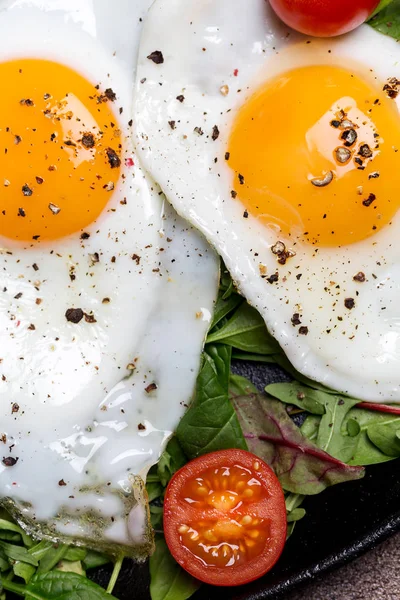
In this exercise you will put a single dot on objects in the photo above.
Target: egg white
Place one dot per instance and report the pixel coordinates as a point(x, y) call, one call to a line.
point(240, 44)
point(86, 415)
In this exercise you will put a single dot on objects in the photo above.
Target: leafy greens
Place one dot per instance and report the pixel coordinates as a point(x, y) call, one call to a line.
point(43, 571)
point(386, 18)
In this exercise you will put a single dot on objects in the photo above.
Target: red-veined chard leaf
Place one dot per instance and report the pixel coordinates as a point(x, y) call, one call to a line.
point(300, 465)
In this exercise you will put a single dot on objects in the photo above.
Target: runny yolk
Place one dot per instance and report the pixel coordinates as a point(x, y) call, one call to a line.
point(60, 150)
point(316, 154)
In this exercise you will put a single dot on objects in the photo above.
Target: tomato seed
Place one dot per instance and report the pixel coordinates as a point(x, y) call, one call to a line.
point(246, 520)
point(183, 529)
point(254, 534)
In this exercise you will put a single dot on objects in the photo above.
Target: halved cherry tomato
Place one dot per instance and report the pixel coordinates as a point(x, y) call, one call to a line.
point(324, 18)
point(225, 517)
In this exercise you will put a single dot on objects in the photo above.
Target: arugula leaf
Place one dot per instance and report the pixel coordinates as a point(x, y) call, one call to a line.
point(387, 20)
point(310, 427)
point(299, 395)
point(61, 585)
point(367, 453)
point(386, 436)
point(300, 465)
point(330, 437)
point(245, 330)
point(211, 422)
point(168, 580)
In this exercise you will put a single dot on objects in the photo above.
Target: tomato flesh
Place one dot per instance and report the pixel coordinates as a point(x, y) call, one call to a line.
point(324, 18)
point(225, 517)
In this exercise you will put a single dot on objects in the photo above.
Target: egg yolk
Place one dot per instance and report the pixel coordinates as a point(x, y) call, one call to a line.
point(60, 150)
point(316, 154)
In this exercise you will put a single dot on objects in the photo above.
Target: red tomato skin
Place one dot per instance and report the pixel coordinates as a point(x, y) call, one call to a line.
point(222, 577)
point(324, 18)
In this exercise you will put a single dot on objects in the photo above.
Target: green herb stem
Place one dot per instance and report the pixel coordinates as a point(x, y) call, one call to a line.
point(10, 586)
point(114, 574)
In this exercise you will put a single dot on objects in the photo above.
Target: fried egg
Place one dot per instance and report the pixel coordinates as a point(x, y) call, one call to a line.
point(284, 151)
point(100, 282)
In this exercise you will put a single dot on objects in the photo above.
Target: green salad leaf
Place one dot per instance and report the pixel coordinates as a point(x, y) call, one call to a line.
point(298, 395)
point(330, 437)
point(52, 558)
point(295, 515)
point(94, 559)
point(368, 437)
point(13, 552)
point(171, 460)
point(224, 307)
point(42, 570)
point(211, 422)
point(24, 571)
point(386, 436)
point(382, 4)
point(293, 511)
point(245, 330)
point(387, 18)
point(168, 580)
point(58, 585)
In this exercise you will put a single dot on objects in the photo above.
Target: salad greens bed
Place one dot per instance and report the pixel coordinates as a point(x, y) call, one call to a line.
point(311, 436)
point(330, 441)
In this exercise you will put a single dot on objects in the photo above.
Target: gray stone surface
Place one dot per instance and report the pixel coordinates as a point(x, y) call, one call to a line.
point(375, 576)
